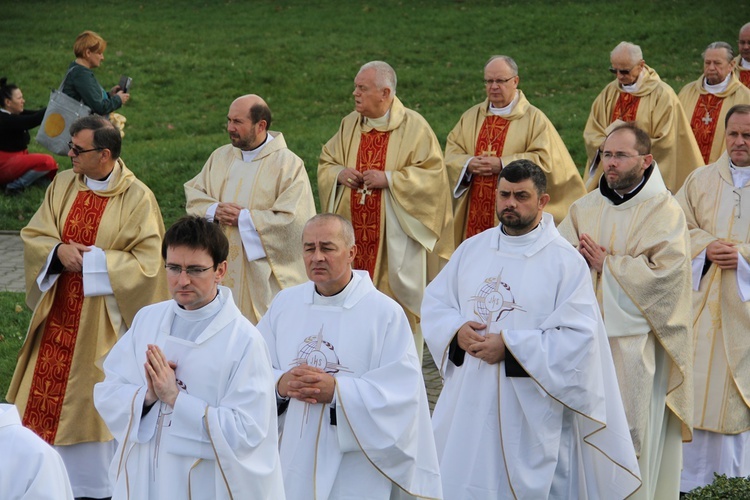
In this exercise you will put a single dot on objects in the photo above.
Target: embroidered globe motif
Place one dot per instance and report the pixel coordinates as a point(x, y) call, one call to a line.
point(318, 353)
point(494, 300)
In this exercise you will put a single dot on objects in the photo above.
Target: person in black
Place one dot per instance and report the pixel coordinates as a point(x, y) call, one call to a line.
point(18, 168)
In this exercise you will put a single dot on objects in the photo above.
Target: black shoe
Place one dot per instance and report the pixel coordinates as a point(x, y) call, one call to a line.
point(9, 191)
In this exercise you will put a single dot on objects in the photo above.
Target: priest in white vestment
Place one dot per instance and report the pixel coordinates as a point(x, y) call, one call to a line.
point(30, 469)
point(634, 237)
point(259, 192)
point(530, 407)
point(356, 423)
point(716, 201)
point(188, 392)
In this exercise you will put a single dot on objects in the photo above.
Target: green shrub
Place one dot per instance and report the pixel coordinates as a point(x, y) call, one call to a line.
point(722, 487)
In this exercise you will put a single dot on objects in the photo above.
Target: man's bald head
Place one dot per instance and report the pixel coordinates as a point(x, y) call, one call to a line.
point(248, 120)
point(744, 42)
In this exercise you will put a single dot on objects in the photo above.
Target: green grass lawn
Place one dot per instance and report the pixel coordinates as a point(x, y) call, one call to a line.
point(189, 59)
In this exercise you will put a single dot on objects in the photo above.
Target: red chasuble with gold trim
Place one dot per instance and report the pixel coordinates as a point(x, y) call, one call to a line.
point(490, 142)
point(744, 77)
point(365, 204)
point(703, 123)
point(52, 368)
point(626, 107)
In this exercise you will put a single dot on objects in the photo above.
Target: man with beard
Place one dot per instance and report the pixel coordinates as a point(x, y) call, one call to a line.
point(634, 237)
point(259, 192)
point(708, 99)
point(530, 407)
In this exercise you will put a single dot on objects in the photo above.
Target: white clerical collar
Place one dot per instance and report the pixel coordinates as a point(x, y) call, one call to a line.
point(522, 240)
point(5, 111)
point(248, 156)
point(744, 63)
point(740, 175)
point(378, 123)
point(633, 87)
point(338, 299)
point(98, 185)
point(507, 109)
point(719, 87)
point(209, 310)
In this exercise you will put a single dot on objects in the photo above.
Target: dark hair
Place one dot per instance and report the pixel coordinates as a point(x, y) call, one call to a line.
point(106, 136)
point(198, 234)
point(642, 140)
point(6, 90)
point(743, 109)
point(260, 112)
point(520, 170)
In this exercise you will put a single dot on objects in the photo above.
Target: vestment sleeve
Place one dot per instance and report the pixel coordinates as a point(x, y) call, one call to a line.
point(441, 311)
point(699, 238)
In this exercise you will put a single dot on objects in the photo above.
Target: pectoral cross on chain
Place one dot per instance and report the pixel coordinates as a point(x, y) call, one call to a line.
point(707, 119)
point(364, 192)
point(488, 152)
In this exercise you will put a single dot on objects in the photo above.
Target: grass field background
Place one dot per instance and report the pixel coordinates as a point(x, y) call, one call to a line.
point(190, 59)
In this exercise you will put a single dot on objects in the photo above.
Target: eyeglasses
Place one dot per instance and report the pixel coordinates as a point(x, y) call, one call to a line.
point(192, 271)
point(607, 155)
point(623, 72)
point(78, 151)
point(490, 83)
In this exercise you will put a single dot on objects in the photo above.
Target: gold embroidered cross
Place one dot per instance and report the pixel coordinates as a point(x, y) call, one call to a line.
point(364, 192)
point(488, 152)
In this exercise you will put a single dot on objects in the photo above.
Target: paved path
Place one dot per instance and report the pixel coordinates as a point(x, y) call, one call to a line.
point(11, 262)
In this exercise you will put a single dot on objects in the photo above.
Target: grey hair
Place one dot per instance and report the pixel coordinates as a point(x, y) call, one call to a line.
point(633, 50)
point(508, 60)
point(385, 76)
point(720, 45)
point(347, 231)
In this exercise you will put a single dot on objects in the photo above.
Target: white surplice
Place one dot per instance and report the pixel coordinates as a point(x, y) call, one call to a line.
point(220, 439)
point(30, 469)
point(382, 440)
point(559, 433)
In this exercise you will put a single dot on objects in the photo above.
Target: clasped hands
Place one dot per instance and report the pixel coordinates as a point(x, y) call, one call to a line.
point(307, 384)
point(369, 179)
point(723, 254)
point(592, 252)
point(160, 377)
point(484, 165)
point(489, 347)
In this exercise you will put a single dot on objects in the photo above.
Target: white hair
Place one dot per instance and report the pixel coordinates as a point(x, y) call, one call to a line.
point(385, 76)
point(720, 45)
point(633, 50)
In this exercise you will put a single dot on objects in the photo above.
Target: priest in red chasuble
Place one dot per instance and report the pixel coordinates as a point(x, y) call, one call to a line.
point(707, 100)
point(384, 171)
point(742, 61)
point(638, 95)
point(92, 259)
point(504, 128)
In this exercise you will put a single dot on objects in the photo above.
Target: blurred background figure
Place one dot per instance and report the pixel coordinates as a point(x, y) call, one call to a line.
point(18, 168)
point(81, 84)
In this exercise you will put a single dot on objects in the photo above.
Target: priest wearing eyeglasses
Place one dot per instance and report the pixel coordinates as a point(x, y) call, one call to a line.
point(189, 390)
point(634, 237)
point(638, 95)
point(708, 99)
point(92, 261)
point(503, 128)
